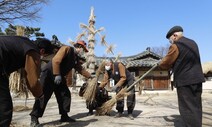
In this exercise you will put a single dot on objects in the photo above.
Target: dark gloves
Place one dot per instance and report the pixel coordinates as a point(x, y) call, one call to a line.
point(58, 79)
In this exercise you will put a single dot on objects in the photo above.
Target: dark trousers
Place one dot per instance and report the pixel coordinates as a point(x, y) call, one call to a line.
point(190, 104)
point(6, 106)
point(61, 92)
point(130, 100)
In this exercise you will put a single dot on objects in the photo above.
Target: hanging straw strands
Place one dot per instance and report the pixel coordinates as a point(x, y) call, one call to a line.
point(16, 83)
point(90, 90)
point(110, 48)
point(79, 36)
point(117, 57)
point(107, 106)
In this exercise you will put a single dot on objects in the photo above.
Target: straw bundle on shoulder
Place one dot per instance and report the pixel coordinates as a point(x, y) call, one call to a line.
point(90, 91)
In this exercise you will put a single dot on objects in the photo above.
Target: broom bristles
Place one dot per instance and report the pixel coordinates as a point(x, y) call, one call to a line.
point(108, 105)
point(90, 91)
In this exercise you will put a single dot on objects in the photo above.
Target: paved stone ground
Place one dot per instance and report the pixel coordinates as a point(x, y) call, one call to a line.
point(159, 111)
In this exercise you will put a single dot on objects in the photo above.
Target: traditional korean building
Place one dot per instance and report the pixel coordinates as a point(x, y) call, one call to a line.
point(138, 64)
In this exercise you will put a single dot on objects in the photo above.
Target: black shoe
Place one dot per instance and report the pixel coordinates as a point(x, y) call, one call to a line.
point(66, 118)
point(119, 114)
point(34, 122)
point(107, 114)
point(89, 113)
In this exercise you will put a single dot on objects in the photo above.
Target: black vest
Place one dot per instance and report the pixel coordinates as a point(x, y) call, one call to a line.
point(116, 75)
point(13, 51)
point(187, 68)
point(68, 62)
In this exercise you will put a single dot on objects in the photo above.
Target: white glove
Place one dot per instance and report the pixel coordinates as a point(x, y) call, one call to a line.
point(113, 89)
point(158, 63)
point(58, 79)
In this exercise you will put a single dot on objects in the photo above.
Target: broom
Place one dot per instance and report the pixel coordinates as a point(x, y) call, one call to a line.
point(107, 106)
point(90, 90)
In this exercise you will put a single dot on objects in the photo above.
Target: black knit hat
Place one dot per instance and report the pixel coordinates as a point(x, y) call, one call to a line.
point(45, 44)
point(173, 30)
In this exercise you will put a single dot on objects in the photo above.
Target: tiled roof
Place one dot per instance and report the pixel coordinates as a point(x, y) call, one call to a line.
point(144, 59)
point(148, 62)
point(144, 54)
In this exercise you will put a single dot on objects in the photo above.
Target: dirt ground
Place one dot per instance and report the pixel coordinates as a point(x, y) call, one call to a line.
point(153, 109)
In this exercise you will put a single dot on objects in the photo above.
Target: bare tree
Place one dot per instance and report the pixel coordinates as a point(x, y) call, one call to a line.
point(24, 10)
point(162, 51)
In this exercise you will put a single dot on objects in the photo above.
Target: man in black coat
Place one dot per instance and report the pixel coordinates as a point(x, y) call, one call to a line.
point(184, 59)
point(19, 52)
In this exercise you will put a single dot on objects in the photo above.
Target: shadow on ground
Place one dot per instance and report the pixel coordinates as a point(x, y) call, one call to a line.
point(78, 123)
point(176, 119)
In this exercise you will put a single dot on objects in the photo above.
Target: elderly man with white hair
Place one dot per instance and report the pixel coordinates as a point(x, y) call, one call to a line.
point(184, 59)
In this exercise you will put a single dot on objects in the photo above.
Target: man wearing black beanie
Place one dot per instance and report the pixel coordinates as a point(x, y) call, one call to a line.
point(184, 59)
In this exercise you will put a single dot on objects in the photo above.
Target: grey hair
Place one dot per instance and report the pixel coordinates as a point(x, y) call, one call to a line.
point(179, 33)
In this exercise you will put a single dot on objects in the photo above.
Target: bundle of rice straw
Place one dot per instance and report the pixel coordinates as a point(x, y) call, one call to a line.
point(90, 91)
point(107, 106)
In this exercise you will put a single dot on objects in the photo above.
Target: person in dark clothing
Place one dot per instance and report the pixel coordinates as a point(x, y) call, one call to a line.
point(122, 78)
point(56, 77)
point(184, 59)
point(19, 52)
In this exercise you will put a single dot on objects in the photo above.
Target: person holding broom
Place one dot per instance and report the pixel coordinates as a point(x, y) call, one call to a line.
point(184, 59)
point(123, 78)
point(55, 78)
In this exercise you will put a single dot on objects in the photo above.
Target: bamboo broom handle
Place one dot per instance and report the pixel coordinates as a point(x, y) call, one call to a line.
point(144, 75)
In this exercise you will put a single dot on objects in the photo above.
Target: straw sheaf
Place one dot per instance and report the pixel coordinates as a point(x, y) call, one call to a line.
point(108, 105)
point(90, 90)
point(207, 67)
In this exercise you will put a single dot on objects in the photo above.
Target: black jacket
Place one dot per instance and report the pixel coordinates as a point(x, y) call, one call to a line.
point(13, 51)
point(187, 68)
